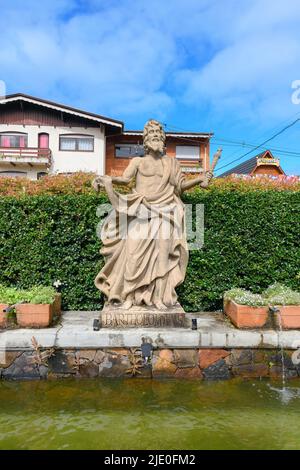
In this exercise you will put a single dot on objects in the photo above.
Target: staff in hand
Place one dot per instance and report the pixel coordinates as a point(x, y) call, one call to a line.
point(209, 174)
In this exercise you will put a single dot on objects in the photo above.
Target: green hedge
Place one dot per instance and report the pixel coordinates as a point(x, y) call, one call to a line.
point(251, 240)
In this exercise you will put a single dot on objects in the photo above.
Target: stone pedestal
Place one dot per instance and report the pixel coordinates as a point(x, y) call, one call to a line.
point(142, 316)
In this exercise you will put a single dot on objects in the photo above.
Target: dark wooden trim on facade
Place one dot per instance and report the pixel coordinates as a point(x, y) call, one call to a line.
point(23, 96)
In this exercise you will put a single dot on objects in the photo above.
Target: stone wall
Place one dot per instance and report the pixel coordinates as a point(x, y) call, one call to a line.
point(198, 364)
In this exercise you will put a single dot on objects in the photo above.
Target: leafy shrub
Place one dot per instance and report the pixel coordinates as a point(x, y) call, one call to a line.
point(276, 294)
point(36, 295)
point(40, 295)
point(81, 183)
point(251, 241)
point(11, 295)
point(245, 297)
point(279, 294)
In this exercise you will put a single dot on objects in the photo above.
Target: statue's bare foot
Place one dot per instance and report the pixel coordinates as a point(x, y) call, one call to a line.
point(161, 306)
point(127, 304)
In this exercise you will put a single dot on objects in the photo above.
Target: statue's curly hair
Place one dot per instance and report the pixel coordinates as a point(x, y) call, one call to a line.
point(148, 125)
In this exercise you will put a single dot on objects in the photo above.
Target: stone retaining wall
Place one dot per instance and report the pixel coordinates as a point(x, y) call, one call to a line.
point(198, 364)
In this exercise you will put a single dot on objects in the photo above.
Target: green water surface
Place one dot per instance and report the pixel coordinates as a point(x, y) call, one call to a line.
point(144, 414)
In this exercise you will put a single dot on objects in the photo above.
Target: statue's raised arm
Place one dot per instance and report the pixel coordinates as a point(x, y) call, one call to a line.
point(126, 178)
point(204, 179)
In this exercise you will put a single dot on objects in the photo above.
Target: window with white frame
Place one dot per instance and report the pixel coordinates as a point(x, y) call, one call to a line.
point(188, 152)
point(129, 150)
point(13, 140)
point(76, 143)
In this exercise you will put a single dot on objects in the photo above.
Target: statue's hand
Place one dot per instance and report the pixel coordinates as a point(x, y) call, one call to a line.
point(208, 175)
point(96, 184)
point(105, 179)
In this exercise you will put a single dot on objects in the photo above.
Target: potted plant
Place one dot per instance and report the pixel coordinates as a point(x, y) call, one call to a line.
point(3, 316)
point(245, 309)
point(3, 306)
point(287, 303)
point(8, 296)
point(38, 308)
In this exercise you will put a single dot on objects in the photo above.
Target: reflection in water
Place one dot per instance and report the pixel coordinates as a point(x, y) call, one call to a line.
point(144, 414)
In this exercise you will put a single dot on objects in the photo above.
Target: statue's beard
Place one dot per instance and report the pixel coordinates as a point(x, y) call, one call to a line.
point(157, 146)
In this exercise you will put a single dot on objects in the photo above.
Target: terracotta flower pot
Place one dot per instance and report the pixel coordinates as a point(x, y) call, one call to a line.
point(34, 315)
point(244, 316)
point(3, 316)
point(289, 316)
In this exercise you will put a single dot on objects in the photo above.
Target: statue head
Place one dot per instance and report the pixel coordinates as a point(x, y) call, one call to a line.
point(154, 137)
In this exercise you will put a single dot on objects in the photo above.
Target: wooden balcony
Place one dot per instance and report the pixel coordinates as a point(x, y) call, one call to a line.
point(29, 155)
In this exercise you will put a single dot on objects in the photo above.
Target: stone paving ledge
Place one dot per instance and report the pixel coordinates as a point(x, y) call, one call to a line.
point(76, 332)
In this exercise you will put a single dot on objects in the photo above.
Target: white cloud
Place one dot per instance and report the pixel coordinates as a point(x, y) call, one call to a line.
point(126, 58)
point(111, 61)
point(258, 60)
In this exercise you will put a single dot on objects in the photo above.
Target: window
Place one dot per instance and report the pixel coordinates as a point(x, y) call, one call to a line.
point(188, 152)
point(129, 150)
point(41, 174)
point(14, 140)
point(76, 143)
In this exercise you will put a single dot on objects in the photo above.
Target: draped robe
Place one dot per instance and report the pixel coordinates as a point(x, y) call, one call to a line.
point(144, 243)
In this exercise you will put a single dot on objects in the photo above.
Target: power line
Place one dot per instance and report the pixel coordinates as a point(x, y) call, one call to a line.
point(215, 140)
point(247, 144)
point(278, 125)
point(238, 144)
point(272, 149)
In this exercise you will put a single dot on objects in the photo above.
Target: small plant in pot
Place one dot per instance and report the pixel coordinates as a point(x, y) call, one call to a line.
point(38, 307)
point(245, 309)
point(8, 296)
point(287, 303)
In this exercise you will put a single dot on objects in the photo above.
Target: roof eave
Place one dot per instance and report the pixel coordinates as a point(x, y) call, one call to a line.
point(63, 108)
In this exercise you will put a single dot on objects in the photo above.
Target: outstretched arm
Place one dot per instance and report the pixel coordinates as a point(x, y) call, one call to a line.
point(204, 179)
point(127, 176)
point(129, 172)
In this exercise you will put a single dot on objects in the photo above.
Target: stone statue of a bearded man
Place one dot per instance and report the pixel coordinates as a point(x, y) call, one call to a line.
point(144, 237)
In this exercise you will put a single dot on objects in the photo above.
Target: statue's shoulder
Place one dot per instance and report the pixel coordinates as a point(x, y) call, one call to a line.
point(172, 160)
point(136, 161)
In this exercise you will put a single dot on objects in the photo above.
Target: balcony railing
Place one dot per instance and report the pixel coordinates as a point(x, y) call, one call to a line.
point(30, 155)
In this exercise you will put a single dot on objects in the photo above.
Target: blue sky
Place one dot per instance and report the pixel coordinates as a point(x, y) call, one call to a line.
point(224, 66)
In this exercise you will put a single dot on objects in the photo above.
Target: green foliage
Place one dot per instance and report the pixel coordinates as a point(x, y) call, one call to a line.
point(276, 294)
point(40, 295)
point(11, 295)
point(81, 183)
point(245, 297)
point(35, 295)
point(251, 241)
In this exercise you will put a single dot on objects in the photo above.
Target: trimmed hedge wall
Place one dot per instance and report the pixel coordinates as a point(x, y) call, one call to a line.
point(251, 240)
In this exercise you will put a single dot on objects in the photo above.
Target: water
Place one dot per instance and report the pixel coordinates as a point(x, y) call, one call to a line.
point(144, 414)
point(279, 320)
